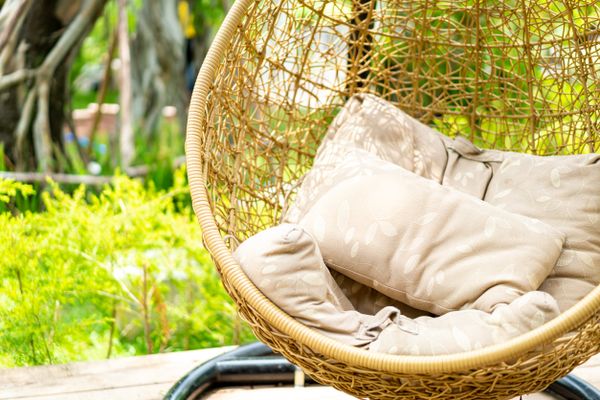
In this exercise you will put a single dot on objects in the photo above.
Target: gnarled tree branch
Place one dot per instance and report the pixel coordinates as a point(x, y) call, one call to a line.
point(17, 77)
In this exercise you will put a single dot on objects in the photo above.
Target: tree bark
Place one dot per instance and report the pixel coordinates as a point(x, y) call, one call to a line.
point(35, 60)
point(158, 64)
point(126, 138)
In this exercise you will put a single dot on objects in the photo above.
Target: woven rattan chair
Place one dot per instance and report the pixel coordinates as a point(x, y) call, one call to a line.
point(518, 75)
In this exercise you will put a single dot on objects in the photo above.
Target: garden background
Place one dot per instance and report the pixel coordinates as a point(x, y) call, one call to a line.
point(104, 259)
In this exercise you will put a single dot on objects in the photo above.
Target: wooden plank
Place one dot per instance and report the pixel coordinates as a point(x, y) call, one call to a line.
point(60, 381)
point(142, 392)
point(90, 180)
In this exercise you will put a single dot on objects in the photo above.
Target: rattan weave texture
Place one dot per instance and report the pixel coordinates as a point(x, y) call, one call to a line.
point(519, 75)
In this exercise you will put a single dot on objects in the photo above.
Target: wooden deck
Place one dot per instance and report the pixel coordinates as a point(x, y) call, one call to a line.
point(149, 378)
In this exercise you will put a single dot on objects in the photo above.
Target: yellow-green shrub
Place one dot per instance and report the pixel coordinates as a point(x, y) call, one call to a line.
point(122, 272)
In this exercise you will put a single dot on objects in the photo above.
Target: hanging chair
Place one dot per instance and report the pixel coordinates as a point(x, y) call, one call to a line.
point(519, 75)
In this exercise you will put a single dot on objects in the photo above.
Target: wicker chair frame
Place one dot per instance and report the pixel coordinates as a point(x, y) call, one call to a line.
point(519, 75)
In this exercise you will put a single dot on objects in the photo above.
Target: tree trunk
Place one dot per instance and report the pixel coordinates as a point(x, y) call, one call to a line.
point(41, 40)
point(126, 139)
point(158, 64)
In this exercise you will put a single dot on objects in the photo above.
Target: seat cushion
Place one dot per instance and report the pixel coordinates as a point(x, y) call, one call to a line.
point(367, 300)
point(285, 263)
point(466, 330)
point(564, 192)
point(416, 241)
point(561, 191)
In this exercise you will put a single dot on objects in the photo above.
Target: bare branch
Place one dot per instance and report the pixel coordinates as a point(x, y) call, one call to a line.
point(42, 141)
point(73, 34)
point(24, 123)
point(126, 137)
point(8, 9)
point(142, 170)
point(10, 42)
point(59, 178)
point(66, 10)
point(13, 23)
point(106, 78)
point(137, 171)
point(15, 78)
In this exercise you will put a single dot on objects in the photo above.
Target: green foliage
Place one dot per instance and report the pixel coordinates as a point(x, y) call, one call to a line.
point(119, 273)
point(9, 189)
point(474, 98)
point(160, 157)
point(208, 14)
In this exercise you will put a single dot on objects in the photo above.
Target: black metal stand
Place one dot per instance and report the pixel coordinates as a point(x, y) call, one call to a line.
point(256, 364)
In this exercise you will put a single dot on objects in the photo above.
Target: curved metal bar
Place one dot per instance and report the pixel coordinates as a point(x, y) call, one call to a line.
point(572, 387)
point(256, 364)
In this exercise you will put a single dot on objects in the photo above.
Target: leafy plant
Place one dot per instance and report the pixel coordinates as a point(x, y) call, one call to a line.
point(119, 273)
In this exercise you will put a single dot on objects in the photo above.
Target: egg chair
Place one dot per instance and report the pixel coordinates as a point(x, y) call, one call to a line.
point(518, 75)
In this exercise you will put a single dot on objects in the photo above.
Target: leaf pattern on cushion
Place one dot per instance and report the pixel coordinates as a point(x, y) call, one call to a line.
point(440, 277)
point(354, 249)
point(464, 178)
point(502, 194)
point(490, 227)
point(539, 318)
point(427, 218)
point(313, 279)
point(269, 269)
point(349, 235)
point(555, 177)
point(411, 263)
point(593, 207)
point(566, 258)
point(543, 199)
point(429, 288)
point(370, 233)
point(387, 228)
point(414, 350)
point(464, 248)
point(585, 258)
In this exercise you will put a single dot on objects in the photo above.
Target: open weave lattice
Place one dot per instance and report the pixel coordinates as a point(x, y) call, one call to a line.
point(520, 75)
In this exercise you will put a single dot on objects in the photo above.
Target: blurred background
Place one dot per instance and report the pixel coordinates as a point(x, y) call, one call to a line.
point(100, 255)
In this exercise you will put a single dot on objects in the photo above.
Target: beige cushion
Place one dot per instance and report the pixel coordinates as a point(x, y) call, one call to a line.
point(284, 262)
point(562, 191)
point(376, 126)
point(466, 330)
point(416, 240)
point(373, 125)
point(367, 300)
point(569, 193)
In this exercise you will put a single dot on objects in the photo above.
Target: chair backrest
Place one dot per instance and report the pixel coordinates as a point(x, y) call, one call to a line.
point(519, 75)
